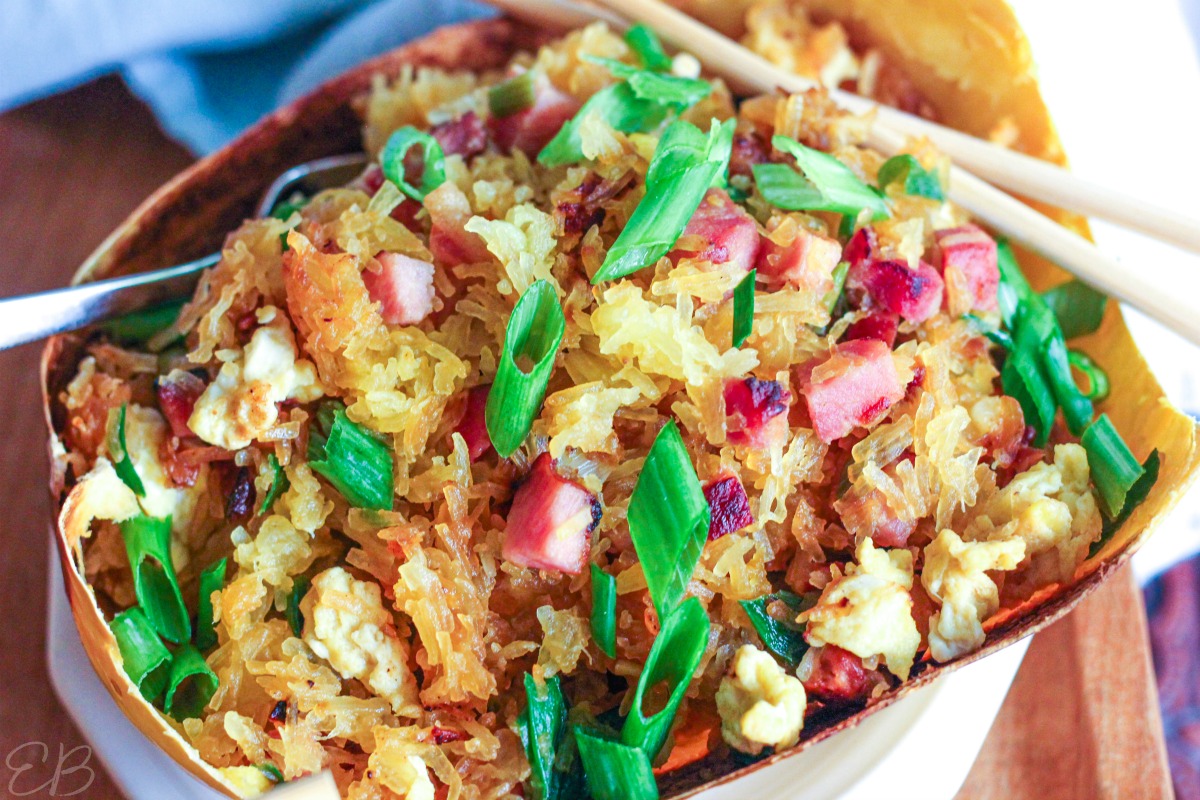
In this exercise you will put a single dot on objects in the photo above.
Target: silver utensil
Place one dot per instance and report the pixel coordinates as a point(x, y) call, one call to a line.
point(37, 316)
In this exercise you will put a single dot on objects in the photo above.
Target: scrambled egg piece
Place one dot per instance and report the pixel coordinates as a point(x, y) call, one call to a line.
point(1051, 508)
point(344, 622)
point(760, 704)
point(240, 405)
point(277, 552)
point(145, 430)
point(955, 574)
point(868, 611)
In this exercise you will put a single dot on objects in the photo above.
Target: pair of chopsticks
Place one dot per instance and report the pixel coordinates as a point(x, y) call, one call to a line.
point(979, 166)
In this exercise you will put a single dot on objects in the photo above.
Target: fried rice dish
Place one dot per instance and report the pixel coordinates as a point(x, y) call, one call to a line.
point(606, 424)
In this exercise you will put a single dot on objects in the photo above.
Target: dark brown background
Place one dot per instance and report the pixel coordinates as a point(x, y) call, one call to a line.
point(1081, 720)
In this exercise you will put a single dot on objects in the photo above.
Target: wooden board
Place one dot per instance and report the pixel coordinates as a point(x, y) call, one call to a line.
point(1080, 722)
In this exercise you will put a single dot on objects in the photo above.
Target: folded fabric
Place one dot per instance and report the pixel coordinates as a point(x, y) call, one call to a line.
point(207, 68)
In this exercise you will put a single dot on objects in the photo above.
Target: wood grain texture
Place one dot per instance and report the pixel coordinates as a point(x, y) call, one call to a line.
point(1082, 718)
point(1080, 722)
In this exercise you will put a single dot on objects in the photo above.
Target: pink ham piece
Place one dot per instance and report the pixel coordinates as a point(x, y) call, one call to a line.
point(403, 287)
point(969, 267)
point(532, 129)
point(177, 393)
point(806, 263)
point(729, 508)
point(550, 521)
point(720, 232)
point(755, 411)
point(854, 386)
point(837, 676)
point(878, 325)
point(915, 294)
point(473, 425)
point(466, 136)
point(450, 244)
point(861, 247)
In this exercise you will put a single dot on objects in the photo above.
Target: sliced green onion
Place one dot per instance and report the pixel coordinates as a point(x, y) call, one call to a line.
point(783, 187)
point(512, 96)
point(668, 519)
point(115, 441)
point(673, 660)
point(1078, 307)
point(145, 658)
point(615, 771)
point(534, 332)
point(1037, 340)
point(1077, 408)
point(1022, 379)
point(212, 579)
point(351, 458)
point(916, 179)
point(140, 326)
point(284, 209)
point(619, 106)
point(837, 187)
point(604, 611)
point(1114, 469)
point(671, 90)
point(1097, 378)
point(645, 43)
point(831, 297)
point(543, 728)
point(272, 772)
point(1136, 495)
point(676, 182)
point(433, 173)
point(847, 226)
point(279, 484)
point(295, 616)
point(743, 308)
point(148, 545)
point(784, 638)
point(191, 685)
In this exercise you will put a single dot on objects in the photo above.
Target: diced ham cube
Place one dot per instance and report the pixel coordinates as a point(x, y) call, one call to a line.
point(177, 394)
point(853, 387)
point(473, 425)
point(915, 294)
point(806, 263)
point(403, 287)
point(838, 676)
point(756, 412)
point(861, 247)
point(449, 242)
point(749, 148)
point(969, 267)
point(372, 180)
point(466, 136)
point(532, 129)
point(550, 521)
point(729, 508)
point(878, 325)
point(721, 232)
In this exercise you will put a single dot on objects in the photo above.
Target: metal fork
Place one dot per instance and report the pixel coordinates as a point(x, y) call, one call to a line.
point(37, 316)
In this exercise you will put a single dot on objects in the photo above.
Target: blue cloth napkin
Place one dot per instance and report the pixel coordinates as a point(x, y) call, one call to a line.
point(208, 68)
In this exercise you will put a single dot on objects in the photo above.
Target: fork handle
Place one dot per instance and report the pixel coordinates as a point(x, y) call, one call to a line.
point(36, 316)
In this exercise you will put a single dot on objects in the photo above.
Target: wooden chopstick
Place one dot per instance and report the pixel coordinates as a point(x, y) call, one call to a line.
point(749, 73)
point(1025, 175)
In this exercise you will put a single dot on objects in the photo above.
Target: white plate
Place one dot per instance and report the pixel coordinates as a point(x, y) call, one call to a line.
point(886, 756)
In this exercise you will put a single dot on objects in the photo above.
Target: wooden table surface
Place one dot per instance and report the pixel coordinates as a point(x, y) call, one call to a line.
point(1081, 720)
